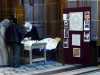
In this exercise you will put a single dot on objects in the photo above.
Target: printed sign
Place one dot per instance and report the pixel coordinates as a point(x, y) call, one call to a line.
point(76, 39)
point(76, 52)
point(76, 21)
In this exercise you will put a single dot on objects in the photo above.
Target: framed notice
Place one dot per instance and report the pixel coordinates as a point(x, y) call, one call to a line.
point(76, 21)
point(76, 39)
point(76, 52)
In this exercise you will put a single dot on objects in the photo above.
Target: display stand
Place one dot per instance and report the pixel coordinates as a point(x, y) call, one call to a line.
point(77, 36)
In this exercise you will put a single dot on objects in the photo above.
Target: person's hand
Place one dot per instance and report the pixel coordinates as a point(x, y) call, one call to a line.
point(27, 38)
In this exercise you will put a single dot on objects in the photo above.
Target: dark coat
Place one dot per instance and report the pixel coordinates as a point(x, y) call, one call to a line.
point(14, 34)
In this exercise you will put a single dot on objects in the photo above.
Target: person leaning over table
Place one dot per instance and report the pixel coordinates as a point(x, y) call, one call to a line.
point(32, 34)
point(31, 31)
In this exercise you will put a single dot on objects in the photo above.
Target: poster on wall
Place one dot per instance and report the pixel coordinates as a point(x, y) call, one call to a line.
point(76, 38)
point(76, 52)
point(66, 33)
point(65, 40)
point(86, 36)
point(65, 17)
point(87, 25)
point(76, 21)
point(87, 15)
point(66, 43)
point(66, 23)
point(87, 20)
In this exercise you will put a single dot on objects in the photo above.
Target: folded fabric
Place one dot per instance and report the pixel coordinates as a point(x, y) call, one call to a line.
point(51, 43)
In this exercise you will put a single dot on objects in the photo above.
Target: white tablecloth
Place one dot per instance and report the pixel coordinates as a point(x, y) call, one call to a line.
point(50, 43)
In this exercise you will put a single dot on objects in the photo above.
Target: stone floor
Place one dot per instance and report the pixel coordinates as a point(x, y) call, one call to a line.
point(93, 70)
point(35, 68)
point(50, 68)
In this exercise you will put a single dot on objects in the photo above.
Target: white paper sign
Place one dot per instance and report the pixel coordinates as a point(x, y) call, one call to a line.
point(76, 21)
point(76, 39)
point(65, 16)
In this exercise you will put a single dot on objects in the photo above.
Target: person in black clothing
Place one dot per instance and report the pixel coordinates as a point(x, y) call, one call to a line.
point(13, 36)
point(31, 31)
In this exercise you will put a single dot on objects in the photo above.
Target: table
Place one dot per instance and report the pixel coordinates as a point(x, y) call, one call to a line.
point(36, 45)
